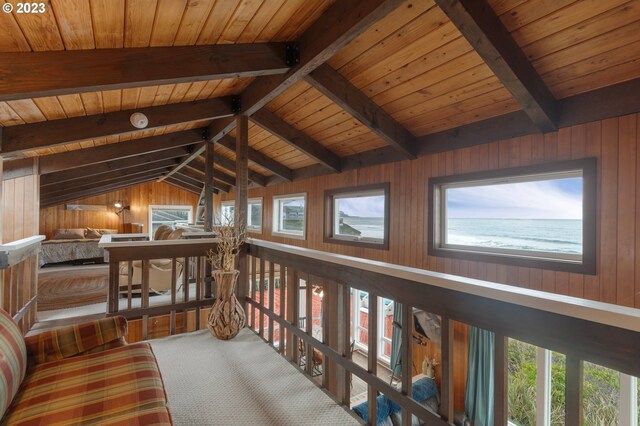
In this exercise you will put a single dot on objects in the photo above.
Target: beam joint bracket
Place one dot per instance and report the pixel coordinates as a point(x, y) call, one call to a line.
point(292, 54)
point(236, 104)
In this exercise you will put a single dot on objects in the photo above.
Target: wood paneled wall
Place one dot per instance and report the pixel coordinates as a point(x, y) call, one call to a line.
point(614, 142)
point(139, 198)
point(20, 218)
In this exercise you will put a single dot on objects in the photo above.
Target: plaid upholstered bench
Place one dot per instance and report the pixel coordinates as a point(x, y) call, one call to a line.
point(83, 374)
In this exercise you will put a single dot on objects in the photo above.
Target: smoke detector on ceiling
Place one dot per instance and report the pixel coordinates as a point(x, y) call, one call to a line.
point(139, 120)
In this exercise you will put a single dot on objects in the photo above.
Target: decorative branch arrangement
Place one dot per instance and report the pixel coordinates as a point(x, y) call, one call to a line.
point(231, 238)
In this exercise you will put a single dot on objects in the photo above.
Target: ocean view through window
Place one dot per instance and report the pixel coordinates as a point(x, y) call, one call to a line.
point(517, 214)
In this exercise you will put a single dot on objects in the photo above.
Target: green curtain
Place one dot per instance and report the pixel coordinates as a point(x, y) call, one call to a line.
point(396, 340)
point(479, 398)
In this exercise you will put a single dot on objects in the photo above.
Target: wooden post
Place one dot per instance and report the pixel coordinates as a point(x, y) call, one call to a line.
point(242, 183)
point(372, 352)
point(446, 405)
point(573, 391)
point(208, 209)
point(406, 357)
point(344, 341)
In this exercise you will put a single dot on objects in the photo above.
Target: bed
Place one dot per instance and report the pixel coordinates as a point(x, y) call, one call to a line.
point(73, 244)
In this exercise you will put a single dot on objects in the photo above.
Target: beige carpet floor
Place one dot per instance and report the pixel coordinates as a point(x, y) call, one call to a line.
point(239, 382)
point(68, 288)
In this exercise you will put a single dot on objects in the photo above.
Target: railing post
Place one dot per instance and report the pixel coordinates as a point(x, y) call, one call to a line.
point(114, 284)
point(309, 323)
point(406, 356)
point(344, 344)
point(283, 303)
point(372, 354)
point(271, 301)
point(446, 405)
point(573, 391)
point(261, 321)
point(500, 381)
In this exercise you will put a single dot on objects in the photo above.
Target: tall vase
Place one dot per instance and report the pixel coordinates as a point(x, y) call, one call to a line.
point(227, 316)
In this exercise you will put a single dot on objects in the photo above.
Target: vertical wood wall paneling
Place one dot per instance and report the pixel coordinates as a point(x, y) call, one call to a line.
point(139, 198)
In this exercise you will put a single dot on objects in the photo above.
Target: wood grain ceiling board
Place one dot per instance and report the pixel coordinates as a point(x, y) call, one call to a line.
point(578, 46)
point(80, 24)
point(227, 154)
point(90, 103)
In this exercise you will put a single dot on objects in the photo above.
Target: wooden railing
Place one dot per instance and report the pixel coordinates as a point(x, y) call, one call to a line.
point(19, 279)
point(156, 278)
point(604, 334)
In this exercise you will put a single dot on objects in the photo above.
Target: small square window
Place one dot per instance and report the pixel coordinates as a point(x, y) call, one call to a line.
point(254, 215)
point(289, 215)
point(358, 216)
point(227, 212)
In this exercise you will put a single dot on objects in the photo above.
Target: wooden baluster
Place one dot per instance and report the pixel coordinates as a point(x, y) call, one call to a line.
point(309, 323)
point(406, 354)
point(294, 287)
point(114, 286)
point(198, 288)
point(271, 304)
point(326, 338)
point(129, 284)
point(283, 312)
point(185, 292)
point(262, 266)
point(34, 289)
point(254, 292)
point(174, 279)
point(372, 354)
point(573, 391)
point(446, 400)
point(344, 342)
point(501, 380)
point(144, 302)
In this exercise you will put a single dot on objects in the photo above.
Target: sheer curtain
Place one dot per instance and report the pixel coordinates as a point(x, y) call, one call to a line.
point(479, 398)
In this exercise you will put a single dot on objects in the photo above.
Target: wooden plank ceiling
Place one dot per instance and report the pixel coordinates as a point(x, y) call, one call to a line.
point(406, 74)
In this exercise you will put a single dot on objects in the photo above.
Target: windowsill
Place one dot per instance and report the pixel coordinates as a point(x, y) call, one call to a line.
point(384, 245)
point(288, 235)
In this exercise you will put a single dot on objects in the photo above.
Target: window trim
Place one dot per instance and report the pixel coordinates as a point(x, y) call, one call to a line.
point(275, 216)
point(256, 230)
point(151, 207)
point(587, 265)
point(329, 210)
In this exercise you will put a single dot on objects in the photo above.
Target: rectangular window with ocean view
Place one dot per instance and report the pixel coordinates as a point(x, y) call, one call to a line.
point(289, 215)
point(358, 215)
point(519, 216)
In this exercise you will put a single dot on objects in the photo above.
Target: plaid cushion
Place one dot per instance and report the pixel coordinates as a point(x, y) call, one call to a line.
point(13, 360)
point(78, 339)
point(122, 383)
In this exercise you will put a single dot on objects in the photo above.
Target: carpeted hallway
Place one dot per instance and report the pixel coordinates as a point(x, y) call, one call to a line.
point(239, 382)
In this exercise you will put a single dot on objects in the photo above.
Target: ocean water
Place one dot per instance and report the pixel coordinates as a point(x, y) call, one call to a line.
point(550, 235)
point(370, 227)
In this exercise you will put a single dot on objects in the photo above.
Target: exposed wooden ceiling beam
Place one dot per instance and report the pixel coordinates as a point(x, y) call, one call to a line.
point(75, 71)
point(200, 183)
point(53, 182)
point(341, 23)
point(46, 134)
point(292, 136)
point(167, 156)
point(337, 88)
point(197, 171)
point(98, 190)
point(258, 158)
point(229, 165)
point(82, 157)
point(74, 186)
point(613, 101)
point(12, 169)
point(185, 186)
point(479, 24)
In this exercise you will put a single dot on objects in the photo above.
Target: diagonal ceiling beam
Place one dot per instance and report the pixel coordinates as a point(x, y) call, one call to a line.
point(337, 88)
point(275, 125)
point(258, 158)
point(53, 182)
point(47, 134)
point(82, 157)
point(167, 155)
point(185, 186)
point(229, 165)
point(77, 71)
point(200, 183)
point(479, 24)
point(98, 190)
point(340, 24)
point(74, 186)
point(197, 171)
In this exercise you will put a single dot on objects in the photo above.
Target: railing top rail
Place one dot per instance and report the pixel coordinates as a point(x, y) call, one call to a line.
point(109, 241)
point(15, 252)
point(599, 312)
